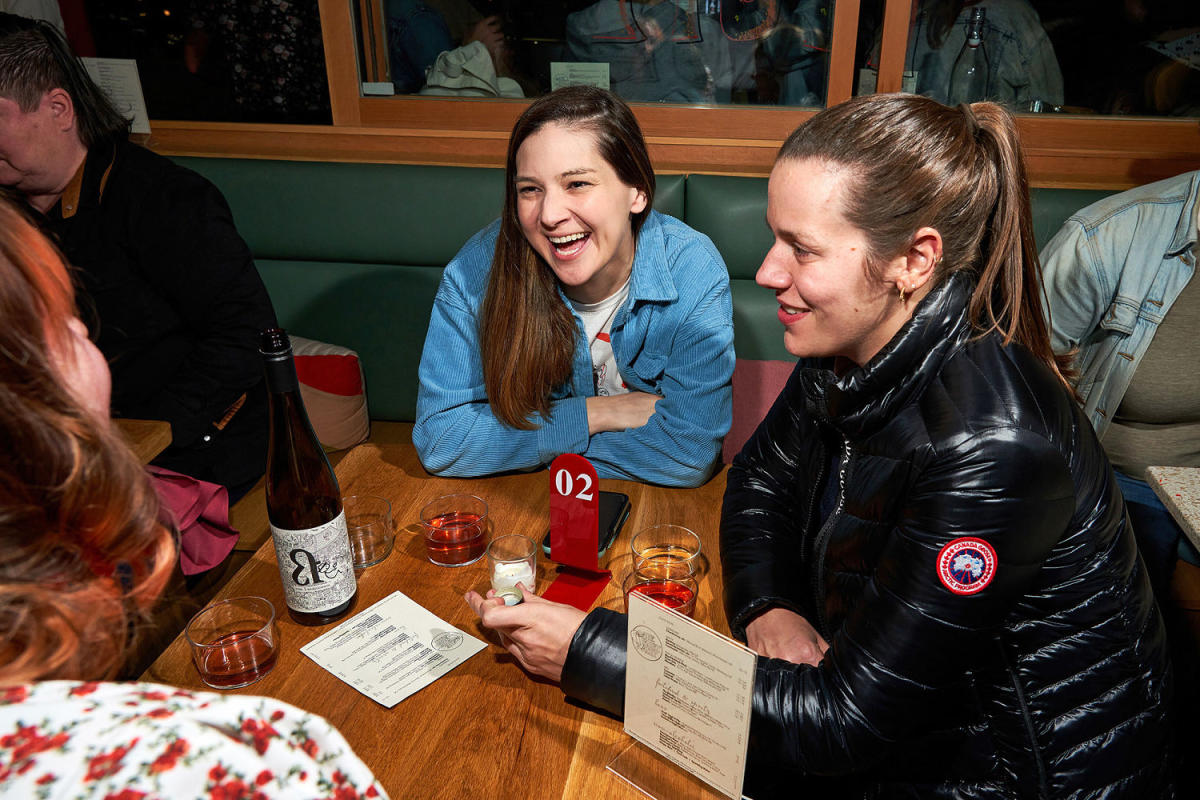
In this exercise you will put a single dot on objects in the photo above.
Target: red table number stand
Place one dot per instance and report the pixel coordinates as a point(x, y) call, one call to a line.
point(575, 532)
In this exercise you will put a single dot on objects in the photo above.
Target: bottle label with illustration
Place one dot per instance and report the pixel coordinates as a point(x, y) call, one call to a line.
point(315, 565)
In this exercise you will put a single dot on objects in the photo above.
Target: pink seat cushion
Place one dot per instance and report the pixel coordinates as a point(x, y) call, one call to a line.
point(331, 383)
point(756, 384)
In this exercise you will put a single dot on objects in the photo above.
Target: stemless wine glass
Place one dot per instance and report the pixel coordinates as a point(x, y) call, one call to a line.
point(369, 524)
point(671, 546)
point(455, 529)
point(234, 642)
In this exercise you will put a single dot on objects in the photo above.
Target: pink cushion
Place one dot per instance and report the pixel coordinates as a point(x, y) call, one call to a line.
point(331, 383)
point(756, 384)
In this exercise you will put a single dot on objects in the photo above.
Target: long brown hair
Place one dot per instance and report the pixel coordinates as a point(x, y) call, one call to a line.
point(82, 555)
point(527, 333)
point(913, 162)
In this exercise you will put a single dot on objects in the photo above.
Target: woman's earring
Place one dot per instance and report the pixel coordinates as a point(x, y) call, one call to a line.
point(900, 286)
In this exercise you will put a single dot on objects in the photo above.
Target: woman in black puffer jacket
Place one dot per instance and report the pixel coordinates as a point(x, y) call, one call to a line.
point(923, 540)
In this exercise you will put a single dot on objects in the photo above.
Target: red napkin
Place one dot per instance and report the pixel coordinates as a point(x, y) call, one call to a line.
point(200, 512)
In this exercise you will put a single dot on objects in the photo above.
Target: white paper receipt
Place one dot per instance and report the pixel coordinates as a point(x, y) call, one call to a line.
point(392, 650)
point(687, 694)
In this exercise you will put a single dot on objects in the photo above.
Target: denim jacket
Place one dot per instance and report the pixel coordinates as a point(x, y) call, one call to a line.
point(1111, 274)
point(673, 337)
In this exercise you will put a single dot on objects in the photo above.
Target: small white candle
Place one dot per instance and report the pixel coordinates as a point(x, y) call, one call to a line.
point(506, 574)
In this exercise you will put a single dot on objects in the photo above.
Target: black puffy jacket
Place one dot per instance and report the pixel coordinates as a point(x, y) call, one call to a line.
point(1030, 663)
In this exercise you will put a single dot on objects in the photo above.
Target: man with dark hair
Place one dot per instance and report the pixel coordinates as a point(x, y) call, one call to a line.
point(168, 288)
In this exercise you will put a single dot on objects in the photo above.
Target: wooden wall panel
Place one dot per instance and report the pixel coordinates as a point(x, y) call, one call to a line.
point(1105, 154)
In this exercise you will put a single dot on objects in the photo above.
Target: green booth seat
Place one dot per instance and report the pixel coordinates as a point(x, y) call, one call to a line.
point(352, 253)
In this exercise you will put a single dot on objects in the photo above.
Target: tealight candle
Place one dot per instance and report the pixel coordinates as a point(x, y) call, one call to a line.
point(507, 574)
point(513, 560)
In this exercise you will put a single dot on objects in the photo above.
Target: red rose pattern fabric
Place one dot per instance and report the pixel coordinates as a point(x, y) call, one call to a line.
point(130, 741)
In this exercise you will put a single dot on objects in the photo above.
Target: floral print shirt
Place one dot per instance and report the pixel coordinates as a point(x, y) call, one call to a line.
point(139, 741)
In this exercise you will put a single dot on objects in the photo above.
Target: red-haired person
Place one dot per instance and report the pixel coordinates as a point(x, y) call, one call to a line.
point(584, 321)
point(83, 557)
point(923, 541)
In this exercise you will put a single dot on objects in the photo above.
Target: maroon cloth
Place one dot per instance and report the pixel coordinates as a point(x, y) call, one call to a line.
point(199, 510)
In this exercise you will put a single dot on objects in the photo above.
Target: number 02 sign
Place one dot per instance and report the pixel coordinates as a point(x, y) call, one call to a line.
point(574, 512)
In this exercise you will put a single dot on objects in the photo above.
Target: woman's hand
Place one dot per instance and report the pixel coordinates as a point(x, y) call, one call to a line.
point(780, 633)
point(537, 632)
point(620, 411)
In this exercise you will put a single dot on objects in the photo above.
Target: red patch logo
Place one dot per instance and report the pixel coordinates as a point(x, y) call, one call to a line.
point(966, 565)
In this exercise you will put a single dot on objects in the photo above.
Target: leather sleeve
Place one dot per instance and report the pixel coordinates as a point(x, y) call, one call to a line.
point(767, 504)
point(909, 638)
point(594, 671)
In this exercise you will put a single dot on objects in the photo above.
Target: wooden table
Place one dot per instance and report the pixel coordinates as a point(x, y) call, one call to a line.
point(486, 729)
point(146, 437)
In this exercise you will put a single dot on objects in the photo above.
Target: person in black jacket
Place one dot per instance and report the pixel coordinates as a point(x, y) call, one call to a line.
point(923, 540)
point(168, 288)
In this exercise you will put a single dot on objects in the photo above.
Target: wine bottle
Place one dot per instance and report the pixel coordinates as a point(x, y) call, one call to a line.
point(304, 505)
point(970, 75)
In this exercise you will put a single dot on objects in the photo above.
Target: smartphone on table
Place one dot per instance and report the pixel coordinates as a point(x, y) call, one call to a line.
point(613, 511)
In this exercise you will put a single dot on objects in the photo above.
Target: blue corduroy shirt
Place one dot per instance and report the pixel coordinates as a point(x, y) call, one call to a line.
point(672, 337)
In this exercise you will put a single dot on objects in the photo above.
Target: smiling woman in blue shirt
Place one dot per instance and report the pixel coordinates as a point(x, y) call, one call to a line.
point(582, 321)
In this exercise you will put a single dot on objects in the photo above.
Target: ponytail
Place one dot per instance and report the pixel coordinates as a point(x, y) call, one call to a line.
point(1008, 293)
point(915, 163)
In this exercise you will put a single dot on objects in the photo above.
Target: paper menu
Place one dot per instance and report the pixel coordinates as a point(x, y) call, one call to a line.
point(119, 79)
point(687, 693)
point(571, 73)
point(392, 649)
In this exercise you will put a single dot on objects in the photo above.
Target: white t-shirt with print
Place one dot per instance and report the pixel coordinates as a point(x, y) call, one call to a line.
point(597, 325)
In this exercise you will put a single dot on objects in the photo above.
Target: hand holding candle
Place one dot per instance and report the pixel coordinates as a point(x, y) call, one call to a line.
point(537, 632)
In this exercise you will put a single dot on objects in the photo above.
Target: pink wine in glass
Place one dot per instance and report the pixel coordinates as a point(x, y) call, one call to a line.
point(236, 659)
point(455, 538)
point(670, 594)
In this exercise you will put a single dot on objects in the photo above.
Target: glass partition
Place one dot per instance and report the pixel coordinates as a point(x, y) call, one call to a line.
point(221, 60)
point(694, 52)
point(1126, 57)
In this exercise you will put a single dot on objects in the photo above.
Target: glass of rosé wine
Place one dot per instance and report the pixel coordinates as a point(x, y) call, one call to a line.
point(455, 528)
point(234, 642)
point(666, 584)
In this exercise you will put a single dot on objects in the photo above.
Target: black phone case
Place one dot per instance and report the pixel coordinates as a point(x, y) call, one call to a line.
point(613, 511)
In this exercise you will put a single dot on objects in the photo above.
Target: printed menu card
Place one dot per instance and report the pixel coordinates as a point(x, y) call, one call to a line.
point(392, 649)
point(687, 693)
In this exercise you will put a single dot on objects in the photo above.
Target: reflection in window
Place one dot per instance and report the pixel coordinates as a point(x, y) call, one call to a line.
point(653, 51)
point(1111, 56)
point(1128, 56)
point(1021, 68)
point(228, 60)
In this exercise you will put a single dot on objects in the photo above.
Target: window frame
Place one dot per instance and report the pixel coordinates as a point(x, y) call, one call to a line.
point(1062, 150)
